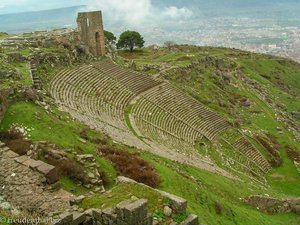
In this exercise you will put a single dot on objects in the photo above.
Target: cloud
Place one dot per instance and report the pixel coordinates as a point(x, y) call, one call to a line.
point(126, 11)
point(137, 12)
point(178, 13)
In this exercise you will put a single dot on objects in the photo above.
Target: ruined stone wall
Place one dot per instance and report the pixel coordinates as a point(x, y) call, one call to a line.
point(90, 31)
point(130, 212)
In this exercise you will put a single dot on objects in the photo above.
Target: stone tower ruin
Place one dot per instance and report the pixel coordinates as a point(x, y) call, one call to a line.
point(90, 30)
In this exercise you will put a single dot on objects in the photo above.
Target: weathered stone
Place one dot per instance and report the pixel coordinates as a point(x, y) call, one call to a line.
point(91, 175)
point(97, 214)
point(5, 206)
point(148, 220)
point(191, 220)
point(77, 200)
point(88, 221)
point(11, 154)
point(90, 30)
point(121, 179)
point(45, 168)
point(167, 211)
point(33, 164)
point(78, 218)
point(109, 217)
point(85, 156)
point(21, 159)
point(132, 211)
point(180, 204)
point(65, 218)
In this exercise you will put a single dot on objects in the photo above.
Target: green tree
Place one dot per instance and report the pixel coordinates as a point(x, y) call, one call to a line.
point(130, 40)
point(110, 37)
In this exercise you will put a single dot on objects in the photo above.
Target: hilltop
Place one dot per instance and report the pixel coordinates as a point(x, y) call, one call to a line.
point(214, 126)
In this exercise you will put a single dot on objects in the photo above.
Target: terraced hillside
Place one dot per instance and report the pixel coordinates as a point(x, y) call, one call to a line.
point(147, 113)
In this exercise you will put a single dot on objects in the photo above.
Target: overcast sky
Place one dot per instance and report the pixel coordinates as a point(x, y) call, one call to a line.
point(126, 11)
point(146, 12)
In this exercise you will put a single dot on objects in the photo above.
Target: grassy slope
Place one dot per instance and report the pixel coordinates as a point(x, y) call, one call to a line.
point(200, 188)
point(201, 191)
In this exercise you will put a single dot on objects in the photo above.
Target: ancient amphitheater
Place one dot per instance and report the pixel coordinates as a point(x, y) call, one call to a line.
point(153, 115)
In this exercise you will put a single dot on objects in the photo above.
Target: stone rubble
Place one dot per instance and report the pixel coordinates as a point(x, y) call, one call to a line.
point(26, 189)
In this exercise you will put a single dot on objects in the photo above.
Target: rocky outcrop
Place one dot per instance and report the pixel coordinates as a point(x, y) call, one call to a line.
point(273, 205)
point(24, 185)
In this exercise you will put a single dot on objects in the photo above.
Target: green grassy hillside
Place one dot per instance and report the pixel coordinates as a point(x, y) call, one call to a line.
point(255, 92)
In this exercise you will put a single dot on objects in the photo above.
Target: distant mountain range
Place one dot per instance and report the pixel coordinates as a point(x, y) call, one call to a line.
point(39, 20)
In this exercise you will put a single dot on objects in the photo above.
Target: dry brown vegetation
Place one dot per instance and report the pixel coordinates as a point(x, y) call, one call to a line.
point(15, 140)
point(292, 154)
point(272, 146)
point(131, 165)
point(218, 207)
point(64, 166)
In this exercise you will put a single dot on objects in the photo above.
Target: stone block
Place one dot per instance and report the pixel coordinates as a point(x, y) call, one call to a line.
point(88, 221)
point(77, 200)
point(49, 172)
point(97, 214)
point(109, 217)
point(21, 159)
point(180, 204)
point(148, 220)
point(191, 220)
point(5, 149)
point(78, 218)
point(33, 164)
point(132, 211)
point(45, 168)
point(65, 218)
point(11, 154)
point(121, 179)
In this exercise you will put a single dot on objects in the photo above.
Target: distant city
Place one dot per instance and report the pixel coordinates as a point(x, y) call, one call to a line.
point(275, 33)
point(257, 35)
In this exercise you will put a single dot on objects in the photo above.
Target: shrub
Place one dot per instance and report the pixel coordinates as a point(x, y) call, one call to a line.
point(292, 154)
point(84, 135)
point(31, 94)
point(66, 167)
point(130, 165)
point(11, 134)
point(218, 207)
point(272, 146)
point(15, 140)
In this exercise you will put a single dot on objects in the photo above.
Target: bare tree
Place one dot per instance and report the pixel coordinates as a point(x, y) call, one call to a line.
point(169, 45)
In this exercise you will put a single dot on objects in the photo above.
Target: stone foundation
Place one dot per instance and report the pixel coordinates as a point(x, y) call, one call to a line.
point(272, 205)
point(129, 212)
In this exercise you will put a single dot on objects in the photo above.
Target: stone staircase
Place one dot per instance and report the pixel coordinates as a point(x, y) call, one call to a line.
point(37, 84)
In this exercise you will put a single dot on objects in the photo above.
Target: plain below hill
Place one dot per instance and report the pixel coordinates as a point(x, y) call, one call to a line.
point(39, 20)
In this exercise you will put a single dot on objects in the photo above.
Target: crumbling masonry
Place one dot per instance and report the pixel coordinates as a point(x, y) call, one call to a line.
point(90, 31)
